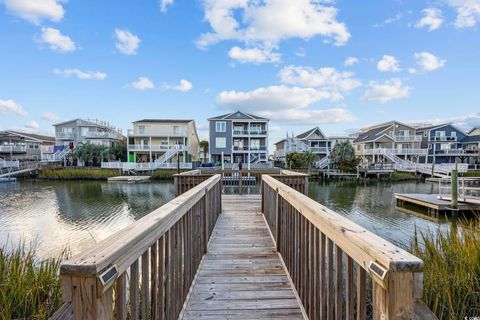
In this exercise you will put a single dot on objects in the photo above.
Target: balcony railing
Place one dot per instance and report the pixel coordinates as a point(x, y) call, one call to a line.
point(450, 151)
point(158, 133)
point(318, 149)
point(65, 135)
point(396, 151)
point(412, 138)
point(13, 148)
point(444, 138)
point(156, 147)
point(104, 135)
point(249, 132)
point(261, 148)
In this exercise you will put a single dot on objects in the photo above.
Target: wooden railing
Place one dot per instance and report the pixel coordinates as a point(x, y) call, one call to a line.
point(240, 181)
point(145, 270)
point(330, 258)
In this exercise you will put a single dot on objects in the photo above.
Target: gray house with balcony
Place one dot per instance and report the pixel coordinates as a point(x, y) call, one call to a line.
point(390, 141)
point(74, 132)
point(238, 137)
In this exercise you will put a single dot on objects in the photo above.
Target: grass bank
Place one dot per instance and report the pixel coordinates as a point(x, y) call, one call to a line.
point(77, 174)
point(452, 271)
point(471, 173)
point(30, 289)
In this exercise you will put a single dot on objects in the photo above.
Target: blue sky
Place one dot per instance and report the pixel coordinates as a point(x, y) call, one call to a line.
point(120, 61)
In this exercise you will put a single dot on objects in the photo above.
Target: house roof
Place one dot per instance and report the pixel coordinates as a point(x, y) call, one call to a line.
point(440, 126)
point(372, 134)
point(468, 139)
point(473, 130)
point(165, 120)
point(229, 115)
point(308, 133)
point(31, 136)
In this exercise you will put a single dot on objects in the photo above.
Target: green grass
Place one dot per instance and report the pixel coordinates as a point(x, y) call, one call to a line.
point(471, 173)
point(452, 271)
point(29, 288)
point(78, 174)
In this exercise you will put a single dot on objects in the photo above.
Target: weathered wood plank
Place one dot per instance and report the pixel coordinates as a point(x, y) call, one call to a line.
point(241, 275)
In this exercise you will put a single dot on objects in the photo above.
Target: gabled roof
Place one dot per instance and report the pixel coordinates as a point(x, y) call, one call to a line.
point(469, 139)
point(165, 120)
point(372, 134)
point(473, 130)
point(234, 115)
point(30, 136)
point(308, 133)
point(438, 126)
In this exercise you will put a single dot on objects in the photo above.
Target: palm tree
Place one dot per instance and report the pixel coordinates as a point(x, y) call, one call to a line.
point(308, 158)
point(204, 148)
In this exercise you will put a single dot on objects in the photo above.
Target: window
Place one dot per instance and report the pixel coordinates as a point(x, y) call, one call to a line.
point(255, 144)
point(141, 129)
point(445, 146)
point(440, 134)
point(220, 142)
point(425, 134)
point(220, 126)
point(255, 128)
point(453, 134)
point(176, 130)
point(430, 146)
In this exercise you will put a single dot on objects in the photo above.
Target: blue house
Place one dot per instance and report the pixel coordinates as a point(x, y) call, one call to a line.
point(444, 144)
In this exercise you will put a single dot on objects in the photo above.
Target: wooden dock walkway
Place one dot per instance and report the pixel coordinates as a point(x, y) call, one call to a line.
point(241, 275)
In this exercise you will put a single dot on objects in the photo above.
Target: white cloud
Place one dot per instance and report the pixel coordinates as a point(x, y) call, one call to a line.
point(127, 42)
point(32, 125)
point(10, 106)
point(301, 52)
point(325, 78)
point(56, 40)
point(36, 10)
point(164, 4)
point(428, 61)
point(388, 64)
point(182, 86)
point(286, 104)
point(384, 92)
point(50, 116)
point(350, 61)
point(82, 75)
point(391, 20)
point(254, 55)
point(412, 70)
point(143, 83)
point(468, 12)
point(432, 19)
point(269, 22)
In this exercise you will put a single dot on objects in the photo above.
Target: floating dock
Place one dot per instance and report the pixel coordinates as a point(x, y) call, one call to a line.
point(433, 204)
point(130, 179)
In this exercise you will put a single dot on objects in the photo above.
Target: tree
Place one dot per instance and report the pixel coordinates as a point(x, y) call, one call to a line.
point(308, 158)
point(90, 154)
point(297, 160)
point(343, 157)
point(118, 152)
point(204, 148)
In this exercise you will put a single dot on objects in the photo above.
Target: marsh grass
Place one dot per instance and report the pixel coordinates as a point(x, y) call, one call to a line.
point(452, 270)
point(29, 288)
point(78, 174)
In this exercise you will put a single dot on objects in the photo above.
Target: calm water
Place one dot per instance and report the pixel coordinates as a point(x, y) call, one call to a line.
point(74, 213)
point(373, 206)
point(78, 214)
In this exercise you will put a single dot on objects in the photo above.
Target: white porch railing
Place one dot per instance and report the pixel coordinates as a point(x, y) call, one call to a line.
point(407, 151)
point(13, 148)
point(158, 133)
point(125, 166)
point(9, 164)
point(156, 147)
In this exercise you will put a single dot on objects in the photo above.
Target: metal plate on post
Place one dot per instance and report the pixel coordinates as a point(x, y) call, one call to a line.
point(378, 274)
point(107, 278)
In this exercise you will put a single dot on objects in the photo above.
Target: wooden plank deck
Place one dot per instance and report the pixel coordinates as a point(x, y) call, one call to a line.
point(242, 276)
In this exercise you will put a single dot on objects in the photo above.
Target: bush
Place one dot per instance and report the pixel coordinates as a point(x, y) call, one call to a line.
point(452, 270)
point(30, 289)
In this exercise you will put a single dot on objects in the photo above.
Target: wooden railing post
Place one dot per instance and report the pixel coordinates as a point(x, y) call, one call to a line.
point(398, 300)
point(277, 220)
point(88, 303)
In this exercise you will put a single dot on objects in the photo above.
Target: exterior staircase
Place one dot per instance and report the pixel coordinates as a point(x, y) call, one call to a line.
point(167, 155)
point(439, 170)
point(323, 162)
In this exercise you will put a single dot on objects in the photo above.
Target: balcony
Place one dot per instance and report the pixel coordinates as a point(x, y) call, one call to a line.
point(409, 138)
point(450, 152)
point(13, 149)
point(104, 135)
point(249, 132)
point(443, 138)
point(407, 151)
point(321, 150)
point(156, 147)
point(243, 149)
point(157, 133)
point(65, 135)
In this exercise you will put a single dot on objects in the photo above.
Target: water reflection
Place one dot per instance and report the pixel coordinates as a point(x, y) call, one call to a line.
point(74, 214)
point(373, 206)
